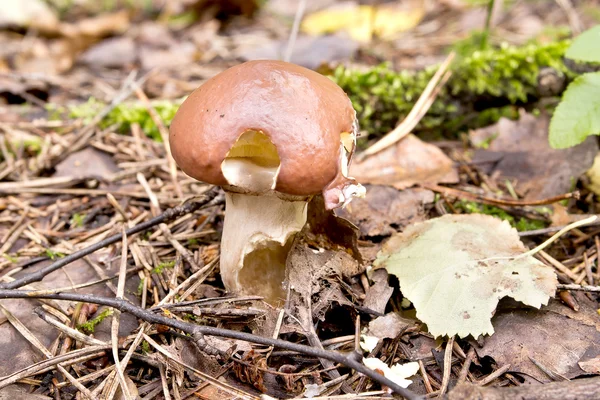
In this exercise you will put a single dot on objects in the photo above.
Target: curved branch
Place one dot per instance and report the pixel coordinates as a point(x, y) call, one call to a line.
point(352, 361)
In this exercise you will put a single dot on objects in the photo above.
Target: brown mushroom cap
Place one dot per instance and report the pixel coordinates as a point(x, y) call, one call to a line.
point(301, 111)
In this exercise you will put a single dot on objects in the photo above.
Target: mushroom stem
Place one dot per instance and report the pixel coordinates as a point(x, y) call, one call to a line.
point(257, 236)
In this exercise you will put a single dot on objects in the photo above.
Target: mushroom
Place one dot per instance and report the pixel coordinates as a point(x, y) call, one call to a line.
point(272, 135)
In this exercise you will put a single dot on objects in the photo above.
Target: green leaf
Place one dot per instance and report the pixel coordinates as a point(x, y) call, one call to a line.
point(578, 114)
point(586, 47)
point(456, 268)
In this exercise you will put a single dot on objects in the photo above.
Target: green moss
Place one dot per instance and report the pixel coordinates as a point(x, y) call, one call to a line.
point(90, 326)
point(53, 255)
point(161, 267)
point(77, 220)
point(145, 346)
point(467, 46)
point(94, 7)
point(486, 82)
point(521, 224)
point(140, 287)
point(10, 258)
point(122, 116)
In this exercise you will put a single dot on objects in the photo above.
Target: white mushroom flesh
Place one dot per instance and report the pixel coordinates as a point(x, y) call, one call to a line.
point(257, 236)
point(259, 227)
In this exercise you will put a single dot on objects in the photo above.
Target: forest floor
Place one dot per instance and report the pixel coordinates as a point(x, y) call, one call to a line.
point(121, 249)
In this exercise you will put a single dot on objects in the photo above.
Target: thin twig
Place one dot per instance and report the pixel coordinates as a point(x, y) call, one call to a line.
point(417, 112)
point(351, 361)
point(72, 333)
point(583, 288)
point(496, 374)
point(461, 194)
point(289, 50)
point(447, 366)
point(425, 376)
point(209, 198)
point(164, 134)
point(65, 360)
point(114, 329)
point(548, 242)
point(572, 16)
point(464, 371)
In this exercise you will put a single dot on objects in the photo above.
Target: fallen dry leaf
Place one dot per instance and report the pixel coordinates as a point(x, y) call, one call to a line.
point(58, 55)
point(15, 91)
point(364, 21)
point(177, 55)
point(554, 341)
point(324, 253)
point(408, 162)
point(385, 210)
point(379, 293)
point(456, 268)
point(118, 52)
point(309, 51)
point(97, 26)
point(131, 388)
point(520, 151)
point(15, 348)
point(312, 275)
point(389, 326)
point(87, 163)
point(590, 366)
point(17, 392)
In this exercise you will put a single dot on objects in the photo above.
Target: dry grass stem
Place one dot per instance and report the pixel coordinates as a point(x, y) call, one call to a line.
point(417, 112)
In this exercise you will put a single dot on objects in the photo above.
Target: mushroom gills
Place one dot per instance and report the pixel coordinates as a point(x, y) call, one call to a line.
point(252, 163)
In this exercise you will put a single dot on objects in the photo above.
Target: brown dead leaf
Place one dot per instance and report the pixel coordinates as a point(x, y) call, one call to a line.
point(421, 347)
point(555, 341)
point(58, 55)
point(325, 230)
point(591, 366)
point(116, 52)
point(16, 392)
point(311, 271)
point(15, 348)
point(131, 388)
point(409, 162)
point(325, 252)
point(520, 152)
point(252, 371)
point(309, 51)
point(586, 315)
point(87, 163)
point(379, 293)
point(389, 326)
point(98, 26)
point(194, 357)
point(385, 210)
point(176, 55)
